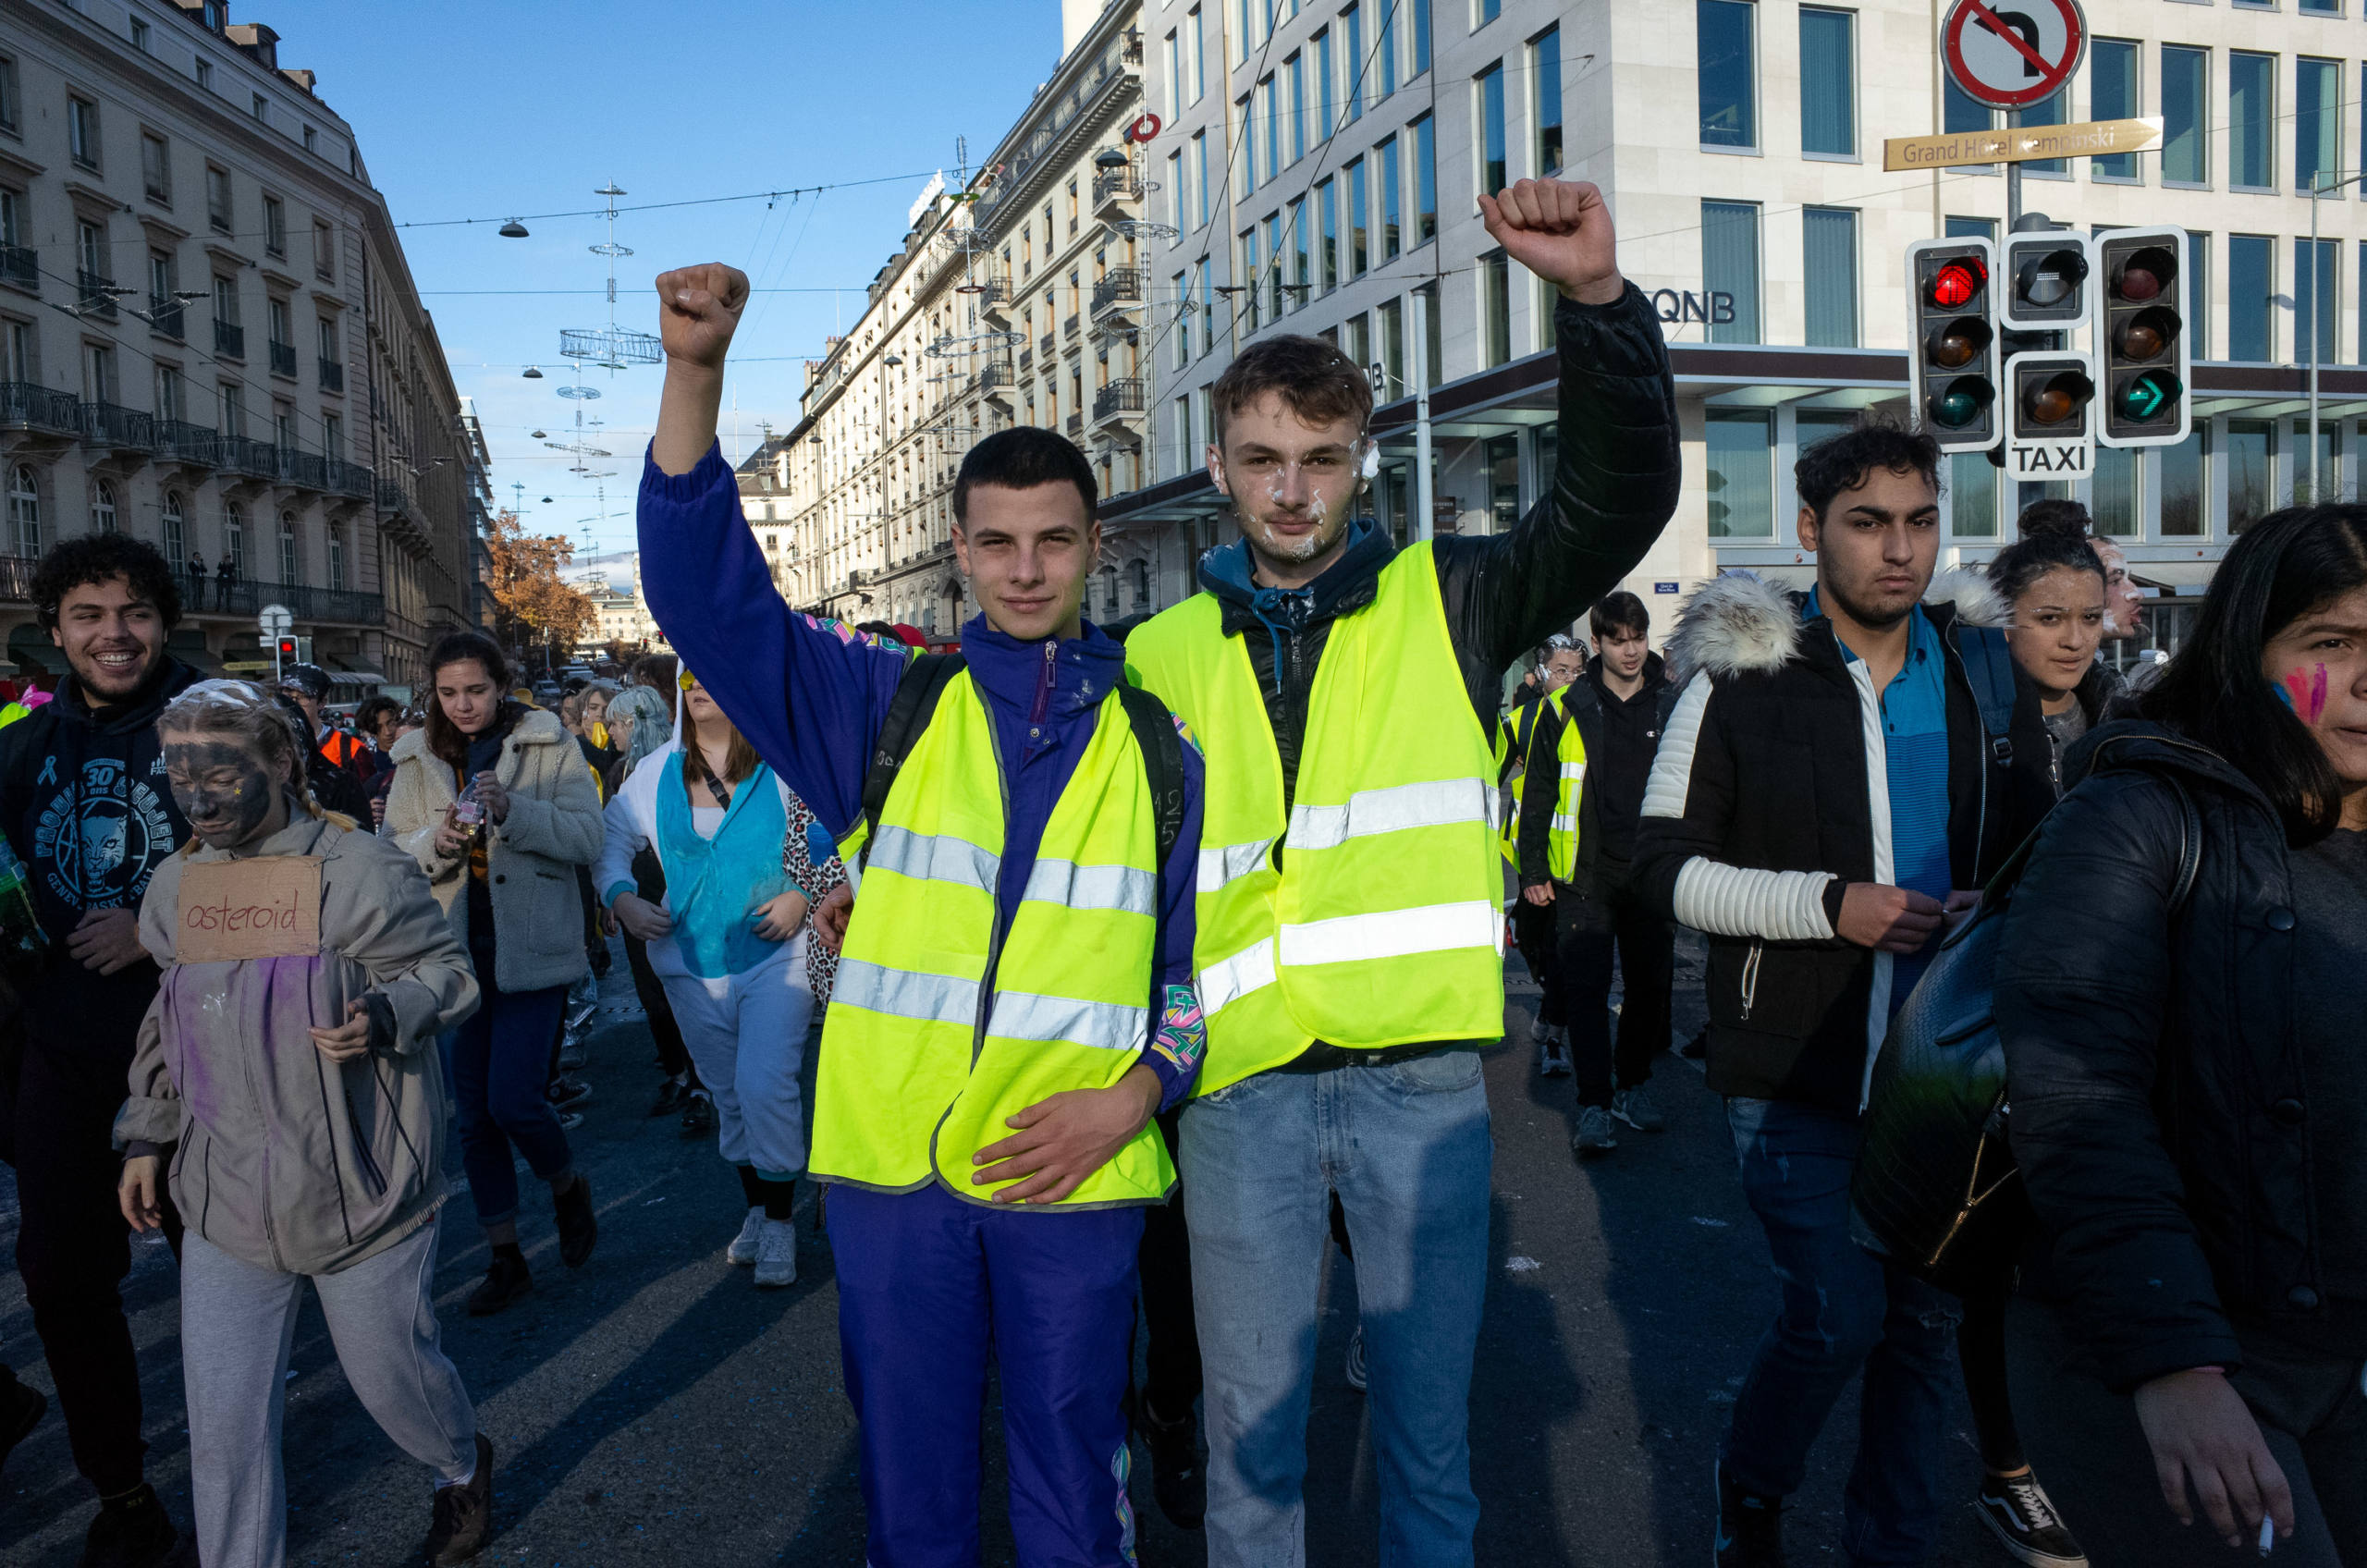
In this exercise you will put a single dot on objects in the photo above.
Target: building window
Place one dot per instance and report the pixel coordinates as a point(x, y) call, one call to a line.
point(1831, 240)
point(1385, 171)
point(2252, 121)
point(155, 168)
point(2185, 514)
point(1355, 341)
point(217, 197)
point(1300, 286)
point(1545, 81)
point(1174, 75)
point(259, 107)
point(176, 529)
point(312, 140)
point(1828, 83)
point(1294, 105)
point(274, 225)
point(1727, 73)
point(288, 575)
point(1496, 302)
point(1973, 496)
point(2251, 296)
point(1196, 31)
point(1740, 450)
point(1384, 51)
point(2314, 290)
point(1392, 349)
point(1352, 21)
point(1499, 459)
point(2112, 499)
point(1274, 279)
point(1327, 242)
point(2198, 292)
point(24, 511)
point(103, 508)
point(1964, 228)
point(2113, 95)
point(2322, 7)
point(234, 537)
point(1730, 266)
point(1252, 285)
point(1269, 128)
point(1326, 105)
point(1203, 299)
point(1248, 139)
point(82, 131)
point(170, 402)
point(205, 74)
point(234, 411)
point(2317, 122)
point(1200, 174)
point(1489, 101)
point(2050, 110)
point(333, 435)
point(1353, 176)
point(1142, 586)
point(2250, 461)
point(2186, 118)
point(1426, 180)
point(10, 118)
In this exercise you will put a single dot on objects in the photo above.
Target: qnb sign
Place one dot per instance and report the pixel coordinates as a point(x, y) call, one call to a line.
point(1713, 307)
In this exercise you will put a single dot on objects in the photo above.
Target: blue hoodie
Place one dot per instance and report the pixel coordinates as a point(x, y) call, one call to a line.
point(811, 695)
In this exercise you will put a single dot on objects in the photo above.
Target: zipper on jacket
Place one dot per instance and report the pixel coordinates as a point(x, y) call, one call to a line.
point(1750, 976)
point(1038, 714)
point(995, 932)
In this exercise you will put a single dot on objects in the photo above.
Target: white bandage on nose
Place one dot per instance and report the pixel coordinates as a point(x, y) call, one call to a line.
point(1371, 469)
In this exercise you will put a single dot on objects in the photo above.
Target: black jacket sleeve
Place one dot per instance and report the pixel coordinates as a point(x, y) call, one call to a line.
point(1540, 783)
point(1613, 491)
point(2083, 972)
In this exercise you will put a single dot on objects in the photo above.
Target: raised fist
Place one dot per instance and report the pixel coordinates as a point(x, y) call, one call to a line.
point(1561, 230)
point(698, 310)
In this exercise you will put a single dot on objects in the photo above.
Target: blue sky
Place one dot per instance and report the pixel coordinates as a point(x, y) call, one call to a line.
point(522, 106)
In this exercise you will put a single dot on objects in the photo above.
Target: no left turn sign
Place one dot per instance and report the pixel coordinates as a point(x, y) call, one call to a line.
point(2012, 54)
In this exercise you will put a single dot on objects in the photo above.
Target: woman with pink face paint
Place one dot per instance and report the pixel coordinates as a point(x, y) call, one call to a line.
point(2178, 993)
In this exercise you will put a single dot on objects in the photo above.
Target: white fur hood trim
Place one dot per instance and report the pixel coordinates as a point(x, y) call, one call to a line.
point(1739, 623)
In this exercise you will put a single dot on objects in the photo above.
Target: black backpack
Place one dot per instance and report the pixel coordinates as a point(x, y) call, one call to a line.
point(1936, 1191)
point(915, 704)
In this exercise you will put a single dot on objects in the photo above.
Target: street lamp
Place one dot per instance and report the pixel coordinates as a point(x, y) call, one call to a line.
point(2319, 186)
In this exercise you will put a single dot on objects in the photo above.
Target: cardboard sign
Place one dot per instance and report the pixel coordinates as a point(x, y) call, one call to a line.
point(265, 906)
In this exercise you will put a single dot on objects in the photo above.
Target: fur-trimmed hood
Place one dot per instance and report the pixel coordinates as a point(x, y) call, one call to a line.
point(1739, 623)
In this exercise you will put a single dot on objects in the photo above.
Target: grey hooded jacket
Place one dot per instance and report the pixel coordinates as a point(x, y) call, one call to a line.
point(289, 1161)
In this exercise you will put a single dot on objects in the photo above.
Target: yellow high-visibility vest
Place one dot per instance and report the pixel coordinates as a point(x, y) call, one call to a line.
point(1371, 915)
point(936, 1035)
point(1570, 751)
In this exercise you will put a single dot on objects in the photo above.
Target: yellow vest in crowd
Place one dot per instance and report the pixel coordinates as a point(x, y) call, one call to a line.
point(935, 1034)
point(1562, 849)
point(1380, 921)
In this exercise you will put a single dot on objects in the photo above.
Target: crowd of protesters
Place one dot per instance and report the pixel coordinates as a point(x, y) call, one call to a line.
point(1139, 964)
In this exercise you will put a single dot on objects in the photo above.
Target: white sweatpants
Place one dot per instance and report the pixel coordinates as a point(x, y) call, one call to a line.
point(746, 1033)
point(237, 1323)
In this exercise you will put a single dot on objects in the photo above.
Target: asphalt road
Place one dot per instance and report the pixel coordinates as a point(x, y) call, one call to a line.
point(654, 1407)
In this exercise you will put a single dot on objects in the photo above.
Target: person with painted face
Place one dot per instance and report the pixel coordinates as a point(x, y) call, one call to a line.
point(1014, 997)
point(308, 1084)
point(1350, 911)
point(727, 942)
point(84, 801)
point(494, 800)
point(2178, 993)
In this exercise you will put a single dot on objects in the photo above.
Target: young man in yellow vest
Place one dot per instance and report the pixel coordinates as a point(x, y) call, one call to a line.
point(1013, 1001)
point(1558, 664)
point(1351, 889)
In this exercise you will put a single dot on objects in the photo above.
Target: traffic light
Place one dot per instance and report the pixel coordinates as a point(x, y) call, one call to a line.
point(2052, 397)
point(287, 650)
point(2140, 338)
point(2047, 272)
point(1953, 364)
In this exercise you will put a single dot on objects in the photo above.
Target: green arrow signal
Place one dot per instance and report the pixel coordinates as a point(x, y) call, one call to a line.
point(2145, 397)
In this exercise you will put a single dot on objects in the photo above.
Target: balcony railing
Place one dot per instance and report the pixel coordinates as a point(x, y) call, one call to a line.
point(997, 374)
point(1069, 326)
point(1076, 425)
point(1045, 345)
point(307, 470)
point(332, 377)
point(393, 496)
point(113, 425)
point(283, 360)
point(189, 443)
point(1119, 288)
point(1117, 185)
point(33, 405)
point(20, 264)
point(258, 459)
point(229, 338)
point(94, 293)
point(1026, 360)
point(1102, 77)
point(347, 479)
point(165, 316)
point(1122, 397)
point(243, 597)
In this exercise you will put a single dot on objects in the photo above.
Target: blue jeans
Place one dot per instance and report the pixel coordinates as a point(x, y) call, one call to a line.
point(498, 1063)
point(929, 1286)
point(1406, 1146)
point(1842, 1311)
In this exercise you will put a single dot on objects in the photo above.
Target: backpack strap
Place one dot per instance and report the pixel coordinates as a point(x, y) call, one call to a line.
point(1989, 666)
point(1163, 750)
point(2189, 846)
point(909, 711)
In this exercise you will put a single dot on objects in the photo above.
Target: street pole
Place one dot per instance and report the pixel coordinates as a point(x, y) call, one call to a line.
point(1421, 358)
point(2319, 186)
point(2012, 179)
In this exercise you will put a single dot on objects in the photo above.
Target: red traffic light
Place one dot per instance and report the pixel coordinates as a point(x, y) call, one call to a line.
point(287, 647)
point(1957, 283)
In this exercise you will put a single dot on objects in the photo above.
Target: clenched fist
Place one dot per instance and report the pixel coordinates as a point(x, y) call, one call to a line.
point(1561, 230)
point(698, 310)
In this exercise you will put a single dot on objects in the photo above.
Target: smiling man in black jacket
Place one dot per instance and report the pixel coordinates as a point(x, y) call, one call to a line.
point(85, 806)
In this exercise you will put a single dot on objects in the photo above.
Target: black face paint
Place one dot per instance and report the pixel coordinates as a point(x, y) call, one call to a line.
point(224, 791)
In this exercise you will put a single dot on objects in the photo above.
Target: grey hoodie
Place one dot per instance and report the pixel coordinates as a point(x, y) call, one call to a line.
point(289, 1161)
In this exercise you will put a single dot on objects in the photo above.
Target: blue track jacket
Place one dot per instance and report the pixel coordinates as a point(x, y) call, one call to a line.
point(810, 694)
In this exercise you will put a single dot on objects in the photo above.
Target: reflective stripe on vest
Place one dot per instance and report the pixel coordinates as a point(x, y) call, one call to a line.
point(1382, 924)
point(1570, 751)
point(937, 1034)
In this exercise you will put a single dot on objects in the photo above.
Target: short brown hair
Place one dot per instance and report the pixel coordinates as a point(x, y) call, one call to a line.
point(1619, 611)
point(1321, 384)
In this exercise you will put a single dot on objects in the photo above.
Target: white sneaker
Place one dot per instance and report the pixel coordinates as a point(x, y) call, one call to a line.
point(743, 1250)
point(776, 1253)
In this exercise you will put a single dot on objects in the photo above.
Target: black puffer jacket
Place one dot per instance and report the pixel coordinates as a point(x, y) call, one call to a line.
point(1613, 491)
point(2159, 1112)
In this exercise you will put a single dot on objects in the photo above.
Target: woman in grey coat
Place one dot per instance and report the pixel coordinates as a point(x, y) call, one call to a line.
point(300, 1079)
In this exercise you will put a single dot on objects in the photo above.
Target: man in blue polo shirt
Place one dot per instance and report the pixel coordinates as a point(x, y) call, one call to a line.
point(1822, 778)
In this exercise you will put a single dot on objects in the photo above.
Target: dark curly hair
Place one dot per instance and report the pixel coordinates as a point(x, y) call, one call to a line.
point(2038, 552)
point(101, 557)
point(1842, 462)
